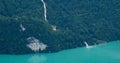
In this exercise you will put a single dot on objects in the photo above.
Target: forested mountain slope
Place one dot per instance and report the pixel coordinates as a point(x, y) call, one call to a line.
point(76, 21)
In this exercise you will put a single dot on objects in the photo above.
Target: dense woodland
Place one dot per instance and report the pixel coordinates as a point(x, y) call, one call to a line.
point(94, 21)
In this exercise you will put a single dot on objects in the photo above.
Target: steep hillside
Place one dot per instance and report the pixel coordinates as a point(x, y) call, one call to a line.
point(76, 21)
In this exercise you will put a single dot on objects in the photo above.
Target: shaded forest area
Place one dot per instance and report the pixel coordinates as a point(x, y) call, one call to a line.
point(94, 21)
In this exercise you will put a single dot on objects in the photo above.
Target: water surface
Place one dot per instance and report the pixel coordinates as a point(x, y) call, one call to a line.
point(105, 53)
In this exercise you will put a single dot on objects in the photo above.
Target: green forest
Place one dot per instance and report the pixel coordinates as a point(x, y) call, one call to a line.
point(77, 21)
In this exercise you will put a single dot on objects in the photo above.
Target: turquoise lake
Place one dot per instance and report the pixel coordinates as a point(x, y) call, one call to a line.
point(104, 53)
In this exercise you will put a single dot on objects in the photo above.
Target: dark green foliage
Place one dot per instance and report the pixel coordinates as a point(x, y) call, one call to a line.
point(94, 21)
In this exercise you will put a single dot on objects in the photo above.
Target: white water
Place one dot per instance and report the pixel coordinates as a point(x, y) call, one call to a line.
point(53, 28)
point(45, 15)
point(35, 45)
point(104, 53)
point(87, 45)
point(22, 27)
point(45, 10)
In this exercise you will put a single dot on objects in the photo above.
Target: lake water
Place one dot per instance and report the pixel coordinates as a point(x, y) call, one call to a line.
point(105, 53)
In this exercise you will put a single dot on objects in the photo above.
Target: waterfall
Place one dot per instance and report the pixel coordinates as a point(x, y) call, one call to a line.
point(22, 27)
point(53, 28)
point(87, 46)
point(45, 15)
point(45, 10)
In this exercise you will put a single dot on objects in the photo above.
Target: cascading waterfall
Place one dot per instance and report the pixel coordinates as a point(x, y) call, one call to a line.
point(45, 15)
point(87, 46)
point(34, 44)
point(45, 10)
point(22, 27)
point(53, 28)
